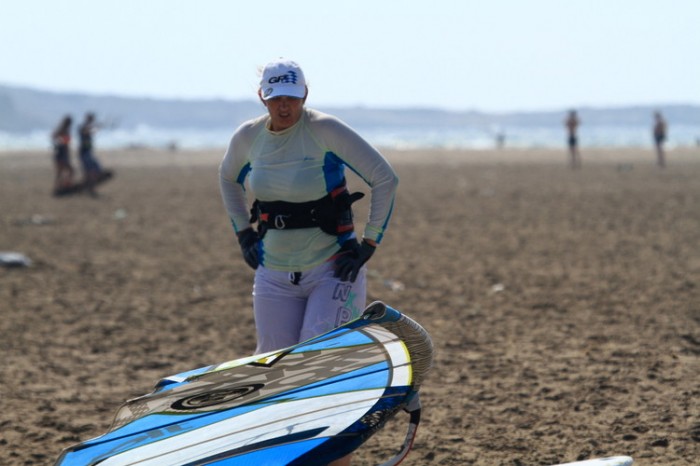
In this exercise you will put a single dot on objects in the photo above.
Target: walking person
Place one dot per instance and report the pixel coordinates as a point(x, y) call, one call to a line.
point(572, 123)
point(310, 272)
point(92, 170)
point(659, 131)
point(60, 139)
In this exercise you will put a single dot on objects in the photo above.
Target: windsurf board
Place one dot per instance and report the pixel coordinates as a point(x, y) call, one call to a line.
point(304, 405)
point(75, 188)
point(610, 461)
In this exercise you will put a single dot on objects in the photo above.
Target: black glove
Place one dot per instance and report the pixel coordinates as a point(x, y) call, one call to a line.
point(352, 257)
point(248, 239)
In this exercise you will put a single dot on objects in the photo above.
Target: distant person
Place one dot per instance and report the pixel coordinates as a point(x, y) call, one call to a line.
point(500, 139)
point(572, 122)
point(92, 170)
point(60, 139)
point(660, 133)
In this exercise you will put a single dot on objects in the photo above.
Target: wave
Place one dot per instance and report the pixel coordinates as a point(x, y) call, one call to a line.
point(394, 137)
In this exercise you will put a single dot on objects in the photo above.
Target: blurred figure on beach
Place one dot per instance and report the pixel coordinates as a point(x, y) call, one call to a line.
point(499, 135)
point(660, 130)
point(61, 154)
point(92, 170)
point(572, 122)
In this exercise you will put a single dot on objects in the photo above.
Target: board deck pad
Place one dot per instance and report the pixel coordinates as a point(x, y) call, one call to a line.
point(304, 405)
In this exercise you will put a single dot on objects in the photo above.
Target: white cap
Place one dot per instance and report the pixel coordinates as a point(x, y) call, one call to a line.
point(282, 77)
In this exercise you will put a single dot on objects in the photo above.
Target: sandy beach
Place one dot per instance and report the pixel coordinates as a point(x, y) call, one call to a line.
point(564, 305)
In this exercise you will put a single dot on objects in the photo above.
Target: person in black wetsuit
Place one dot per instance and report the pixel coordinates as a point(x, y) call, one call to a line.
point(659, 131)
point(60, 139)
point(572, 122)
point(92, 170)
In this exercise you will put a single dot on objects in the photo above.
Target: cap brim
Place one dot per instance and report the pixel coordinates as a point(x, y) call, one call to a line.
point(288, 90)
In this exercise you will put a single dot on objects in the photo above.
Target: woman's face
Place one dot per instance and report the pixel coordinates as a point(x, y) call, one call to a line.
point(284, 111)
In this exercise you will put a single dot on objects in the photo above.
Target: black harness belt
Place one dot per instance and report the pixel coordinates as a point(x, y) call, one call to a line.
point(332, 213)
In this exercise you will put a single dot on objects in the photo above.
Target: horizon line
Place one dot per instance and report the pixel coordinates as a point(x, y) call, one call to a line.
point(578, 107)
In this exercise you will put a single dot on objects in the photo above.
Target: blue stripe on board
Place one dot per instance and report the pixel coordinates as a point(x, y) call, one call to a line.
point(344, 338)
point(149, 429)
point(370, 377)
point(333, 448)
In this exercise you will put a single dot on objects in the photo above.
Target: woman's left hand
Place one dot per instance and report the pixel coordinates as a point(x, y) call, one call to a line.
point(348, 265)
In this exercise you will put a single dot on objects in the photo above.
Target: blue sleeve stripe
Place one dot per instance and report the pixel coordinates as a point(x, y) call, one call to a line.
point(333, 170)
point(243, 173)
point(386, 222)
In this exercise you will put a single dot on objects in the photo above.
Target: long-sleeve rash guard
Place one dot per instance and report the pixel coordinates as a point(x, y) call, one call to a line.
point(302, 163)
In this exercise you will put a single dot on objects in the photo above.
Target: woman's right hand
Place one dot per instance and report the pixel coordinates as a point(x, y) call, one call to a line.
point(248, 240)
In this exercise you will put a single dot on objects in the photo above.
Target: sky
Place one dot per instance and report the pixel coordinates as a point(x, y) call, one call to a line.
point(485, 55)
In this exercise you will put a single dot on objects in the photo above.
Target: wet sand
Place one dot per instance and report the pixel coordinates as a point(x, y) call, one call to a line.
point(564, 306)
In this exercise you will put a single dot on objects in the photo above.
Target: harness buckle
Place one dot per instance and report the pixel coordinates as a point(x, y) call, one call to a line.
point(280, 224)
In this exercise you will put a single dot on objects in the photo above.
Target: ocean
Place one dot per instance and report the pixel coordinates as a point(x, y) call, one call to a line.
point(395, 138)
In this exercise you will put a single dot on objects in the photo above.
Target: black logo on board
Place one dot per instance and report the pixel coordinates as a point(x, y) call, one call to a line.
point(214, 397)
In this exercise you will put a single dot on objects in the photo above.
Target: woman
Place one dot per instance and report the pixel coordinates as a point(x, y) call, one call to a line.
point(60, 139)
point(310, 273)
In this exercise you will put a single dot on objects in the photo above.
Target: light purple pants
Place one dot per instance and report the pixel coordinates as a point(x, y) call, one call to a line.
point(291, 307)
